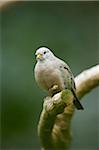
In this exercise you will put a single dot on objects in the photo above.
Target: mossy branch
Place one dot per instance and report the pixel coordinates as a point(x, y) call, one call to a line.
point(54, 128)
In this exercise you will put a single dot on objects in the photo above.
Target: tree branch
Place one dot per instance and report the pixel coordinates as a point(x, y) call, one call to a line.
point(87, 80)
point(54, 128)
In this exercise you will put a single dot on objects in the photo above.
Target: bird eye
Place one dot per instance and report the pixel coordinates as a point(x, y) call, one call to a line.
point(44, 52)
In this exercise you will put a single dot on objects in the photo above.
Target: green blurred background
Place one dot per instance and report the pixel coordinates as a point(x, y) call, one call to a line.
point(71, 30)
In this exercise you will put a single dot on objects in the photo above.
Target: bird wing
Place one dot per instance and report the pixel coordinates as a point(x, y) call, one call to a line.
point(69, 82)
point(66, 75)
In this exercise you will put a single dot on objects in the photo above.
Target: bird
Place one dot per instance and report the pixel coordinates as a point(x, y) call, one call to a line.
point(54, 75)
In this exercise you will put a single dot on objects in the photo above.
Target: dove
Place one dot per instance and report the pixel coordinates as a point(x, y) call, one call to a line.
point(54, 75)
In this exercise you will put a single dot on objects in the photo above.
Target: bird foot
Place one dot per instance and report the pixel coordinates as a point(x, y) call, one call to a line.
point(53, 90)
point(55, 87)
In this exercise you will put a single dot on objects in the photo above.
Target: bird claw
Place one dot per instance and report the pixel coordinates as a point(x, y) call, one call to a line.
point(53, 90)
point(55, 87)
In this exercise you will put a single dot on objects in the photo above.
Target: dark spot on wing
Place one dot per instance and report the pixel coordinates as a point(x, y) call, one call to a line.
point(60, 66)
point(66, 68)
point(65, 85)
point(73, 83)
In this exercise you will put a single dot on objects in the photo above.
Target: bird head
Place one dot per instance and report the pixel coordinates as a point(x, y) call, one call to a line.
point(43, 53)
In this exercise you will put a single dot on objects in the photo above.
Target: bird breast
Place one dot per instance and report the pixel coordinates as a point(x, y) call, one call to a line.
point(46, 77)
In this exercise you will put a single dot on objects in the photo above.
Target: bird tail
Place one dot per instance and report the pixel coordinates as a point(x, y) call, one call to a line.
point(76, 102)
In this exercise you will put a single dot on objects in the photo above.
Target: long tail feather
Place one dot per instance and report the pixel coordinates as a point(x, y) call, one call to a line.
point(76, 102)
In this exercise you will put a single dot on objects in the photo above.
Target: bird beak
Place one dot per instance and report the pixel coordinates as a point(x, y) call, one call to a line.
point(39, 56)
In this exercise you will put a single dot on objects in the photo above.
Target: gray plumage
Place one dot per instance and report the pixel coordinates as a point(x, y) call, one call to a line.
point(53, 75)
